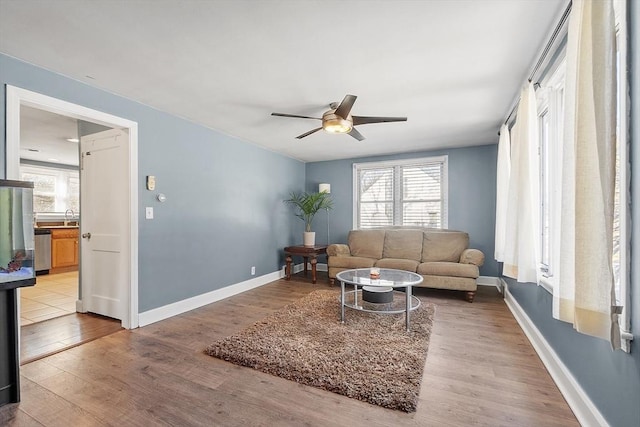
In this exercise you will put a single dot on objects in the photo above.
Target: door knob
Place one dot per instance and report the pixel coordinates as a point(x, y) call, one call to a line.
point(86, 235)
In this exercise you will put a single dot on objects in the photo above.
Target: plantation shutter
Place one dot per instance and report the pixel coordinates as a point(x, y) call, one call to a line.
point(407, 193)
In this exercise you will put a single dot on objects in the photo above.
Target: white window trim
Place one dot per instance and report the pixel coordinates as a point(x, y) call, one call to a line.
point(546, 270)
point(404, 162)
point(549, 100)
point(624, 319)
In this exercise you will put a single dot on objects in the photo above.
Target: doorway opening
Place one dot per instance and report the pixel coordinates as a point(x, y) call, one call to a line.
point(49, 157)
point(17, 99)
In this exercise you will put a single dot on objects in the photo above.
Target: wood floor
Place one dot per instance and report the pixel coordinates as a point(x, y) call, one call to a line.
point(480, 370)
point(51, 336)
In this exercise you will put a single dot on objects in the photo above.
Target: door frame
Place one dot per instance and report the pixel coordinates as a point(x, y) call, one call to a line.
point(15, 98)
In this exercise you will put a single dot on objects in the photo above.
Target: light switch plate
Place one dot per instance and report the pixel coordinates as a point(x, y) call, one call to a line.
point(149, 212)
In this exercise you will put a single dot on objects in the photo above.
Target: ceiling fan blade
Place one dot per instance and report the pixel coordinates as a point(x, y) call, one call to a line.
point(344, 108)
point(308, 133)
point(359, 120)
point(357, 135)
point(295, 116)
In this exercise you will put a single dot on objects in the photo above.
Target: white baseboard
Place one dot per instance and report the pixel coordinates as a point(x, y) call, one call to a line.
point(582, 407)
point(179, 307)
point(489, 281)
point(80, 307)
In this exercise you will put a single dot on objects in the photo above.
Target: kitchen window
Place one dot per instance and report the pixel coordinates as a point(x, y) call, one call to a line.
point(401, 192)
point(55, 189)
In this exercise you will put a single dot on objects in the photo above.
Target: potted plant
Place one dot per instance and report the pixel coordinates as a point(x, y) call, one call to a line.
point(307, 205)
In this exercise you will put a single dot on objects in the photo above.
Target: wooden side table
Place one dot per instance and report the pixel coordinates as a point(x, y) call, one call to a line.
point(305, 252)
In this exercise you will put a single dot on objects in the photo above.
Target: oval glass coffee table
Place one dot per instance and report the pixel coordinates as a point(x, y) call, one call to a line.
point(374, 289)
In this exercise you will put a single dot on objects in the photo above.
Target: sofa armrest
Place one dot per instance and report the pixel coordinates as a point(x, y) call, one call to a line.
point(472, 256)
point(338, 249)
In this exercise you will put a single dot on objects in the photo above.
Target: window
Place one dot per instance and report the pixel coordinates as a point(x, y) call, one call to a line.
point(550, 99)
point(545, 187)
point(622, 215)
point(55, 190)
point(407, 192)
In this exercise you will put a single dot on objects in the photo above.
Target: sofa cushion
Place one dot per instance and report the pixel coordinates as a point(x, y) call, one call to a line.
point(444, 245)
point(449, 269)
point(398, 264)
point(403, 244)
point(366, 243)
point(351, 262)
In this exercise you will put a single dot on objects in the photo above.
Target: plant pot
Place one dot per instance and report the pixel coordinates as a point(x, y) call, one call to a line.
point(309, 238)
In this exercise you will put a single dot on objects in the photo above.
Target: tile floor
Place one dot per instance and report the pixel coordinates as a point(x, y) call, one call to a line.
point(54, 295)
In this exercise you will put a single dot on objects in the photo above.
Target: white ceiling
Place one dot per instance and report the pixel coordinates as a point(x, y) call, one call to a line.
point(43, 137)
point(453, 67)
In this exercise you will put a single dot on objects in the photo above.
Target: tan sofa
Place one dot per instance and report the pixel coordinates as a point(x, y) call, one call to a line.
point(441, 257)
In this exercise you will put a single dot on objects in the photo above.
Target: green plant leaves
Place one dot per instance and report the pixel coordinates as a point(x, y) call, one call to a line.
point(308, 204)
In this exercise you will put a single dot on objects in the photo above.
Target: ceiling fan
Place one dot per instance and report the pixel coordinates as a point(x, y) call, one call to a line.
point(339, 120)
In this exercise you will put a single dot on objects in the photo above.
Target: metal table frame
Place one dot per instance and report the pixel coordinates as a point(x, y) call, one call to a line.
point(362, 279)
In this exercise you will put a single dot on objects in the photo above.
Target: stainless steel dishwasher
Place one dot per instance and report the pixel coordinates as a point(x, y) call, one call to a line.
point(43, 250)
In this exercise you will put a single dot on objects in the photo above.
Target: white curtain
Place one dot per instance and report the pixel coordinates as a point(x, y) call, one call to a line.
point(521, 250)
point(502, 189)
point(584, 289)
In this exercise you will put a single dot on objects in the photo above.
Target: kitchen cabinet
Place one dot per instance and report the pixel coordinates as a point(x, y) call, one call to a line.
point(64, 248)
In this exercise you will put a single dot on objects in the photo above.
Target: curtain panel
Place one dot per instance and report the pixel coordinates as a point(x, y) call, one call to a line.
point(522, 222)
point(502, 190)
point(584, 289)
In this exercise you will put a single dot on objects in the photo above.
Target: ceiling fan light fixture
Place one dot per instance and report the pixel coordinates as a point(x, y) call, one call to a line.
point(333, 123)
point(338, 120)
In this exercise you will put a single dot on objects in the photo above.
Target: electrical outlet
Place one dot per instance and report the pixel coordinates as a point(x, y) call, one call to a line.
point(253, 271)
point(149, 212)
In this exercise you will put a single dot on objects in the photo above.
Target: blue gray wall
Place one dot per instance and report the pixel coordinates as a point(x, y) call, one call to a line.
point(472, 195)
point(224, 211)
point(611, 379)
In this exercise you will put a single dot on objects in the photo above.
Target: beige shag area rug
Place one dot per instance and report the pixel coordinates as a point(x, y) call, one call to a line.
point(371, 357)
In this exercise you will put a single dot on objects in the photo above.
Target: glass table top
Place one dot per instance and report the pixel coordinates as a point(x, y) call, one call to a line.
point(388, 277)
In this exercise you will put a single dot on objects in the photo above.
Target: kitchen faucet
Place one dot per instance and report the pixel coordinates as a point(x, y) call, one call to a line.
point(66, 218)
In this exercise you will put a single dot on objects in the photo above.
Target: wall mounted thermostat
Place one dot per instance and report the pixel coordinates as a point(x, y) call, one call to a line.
point(151, 182)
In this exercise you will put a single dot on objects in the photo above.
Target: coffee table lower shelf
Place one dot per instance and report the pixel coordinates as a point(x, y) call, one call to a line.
point(398, 305)
point(405, 304)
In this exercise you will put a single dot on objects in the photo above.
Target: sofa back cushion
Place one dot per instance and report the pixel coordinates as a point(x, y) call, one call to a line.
point(366, 243)
point(403, 244)
point(444, 245)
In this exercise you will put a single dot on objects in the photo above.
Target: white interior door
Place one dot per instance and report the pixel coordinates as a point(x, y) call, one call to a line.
point(104, 227)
